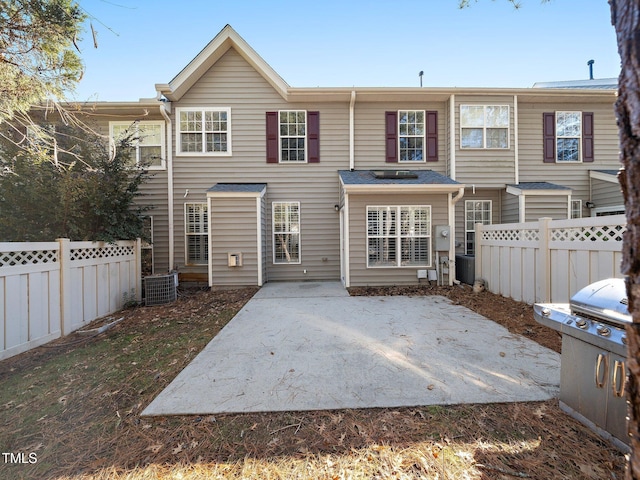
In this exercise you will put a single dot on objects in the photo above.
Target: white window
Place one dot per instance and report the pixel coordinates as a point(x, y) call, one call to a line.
point(147, 142)
point(196, 226)
point(568, 136)
point(204, 131)
point(411, 131)
point(399, 236)
point(286, 232)
point(293, 136)
point(484, 126)
point(475, 211)
point(576, 208)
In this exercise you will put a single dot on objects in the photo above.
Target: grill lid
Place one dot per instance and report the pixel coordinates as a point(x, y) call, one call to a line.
point(604, 301)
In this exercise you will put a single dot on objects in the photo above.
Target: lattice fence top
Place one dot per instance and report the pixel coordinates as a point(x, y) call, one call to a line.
point(28, 257)
point(513, 235)
point(107, 251)
point(604, 233)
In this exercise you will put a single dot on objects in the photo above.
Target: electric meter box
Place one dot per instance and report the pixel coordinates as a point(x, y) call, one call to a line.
point(443, 238)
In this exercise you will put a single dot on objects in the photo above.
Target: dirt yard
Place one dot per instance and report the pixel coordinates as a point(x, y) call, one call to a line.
point(74, 407)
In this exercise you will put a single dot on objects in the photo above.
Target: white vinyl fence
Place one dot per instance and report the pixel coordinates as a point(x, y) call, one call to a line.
point(50, 289)
point(548, 260)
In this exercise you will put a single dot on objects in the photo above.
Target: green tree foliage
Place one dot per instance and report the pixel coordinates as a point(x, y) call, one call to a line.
point(38, 57)
point(89, 194)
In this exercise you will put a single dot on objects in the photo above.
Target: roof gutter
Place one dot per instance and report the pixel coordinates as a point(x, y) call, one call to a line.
point(165, 111)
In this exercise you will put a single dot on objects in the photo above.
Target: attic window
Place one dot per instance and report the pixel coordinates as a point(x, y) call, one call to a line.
point(394, 174)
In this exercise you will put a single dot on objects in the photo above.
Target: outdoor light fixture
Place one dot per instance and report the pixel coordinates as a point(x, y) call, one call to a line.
point(337, 207)
point(589, 204)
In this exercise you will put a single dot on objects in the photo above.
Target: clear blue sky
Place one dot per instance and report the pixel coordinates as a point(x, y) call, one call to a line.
point(346, 43)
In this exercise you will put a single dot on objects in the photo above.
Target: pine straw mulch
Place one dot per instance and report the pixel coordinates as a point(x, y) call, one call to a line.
point(76, 404)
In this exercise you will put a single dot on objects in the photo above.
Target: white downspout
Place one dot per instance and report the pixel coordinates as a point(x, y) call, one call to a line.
point(452, 137)
point(516, 156)
point(352, 116)
point(347, 269)
point(165, 110)
point(452, 235)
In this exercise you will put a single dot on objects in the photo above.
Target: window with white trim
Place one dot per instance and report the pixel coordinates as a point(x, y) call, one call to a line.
point(399, 236)
point(203, 131)
point(147, 141)
point(576, 208)
point(196, 227)
point(411, 130)
point(475, 211)
point(484, 126)
point(293, 135)
point(286, 232)
point(568, 136)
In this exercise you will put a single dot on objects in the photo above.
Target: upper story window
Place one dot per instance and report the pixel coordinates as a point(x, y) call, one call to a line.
point(293, 136)
point(484, 126)
point(568, 137)
point(411, 131)
point(204, 131)
point(147, 141)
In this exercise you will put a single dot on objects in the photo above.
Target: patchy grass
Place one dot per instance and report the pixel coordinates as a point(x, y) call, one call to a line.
point(76, 405)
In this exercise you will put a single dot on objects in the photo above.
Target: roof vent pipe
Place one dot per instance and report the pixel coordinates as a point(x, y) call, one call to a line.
point(590, 63)
point(420, 75)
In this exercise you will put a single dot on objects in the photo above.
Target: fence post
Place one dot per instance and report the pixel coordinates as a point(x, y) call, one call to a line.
point(478, 252)
point(138, 260)
point(543, 274)
point(65, 285)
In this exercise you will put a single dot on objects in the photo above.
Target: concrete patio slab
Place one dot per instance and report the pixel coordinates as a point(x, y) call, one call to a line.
point(310, 346)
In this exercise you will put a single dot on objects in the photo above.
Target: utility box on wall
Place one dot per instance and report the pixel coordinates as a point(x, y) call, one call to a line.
point(443, 238)
point(234, 259)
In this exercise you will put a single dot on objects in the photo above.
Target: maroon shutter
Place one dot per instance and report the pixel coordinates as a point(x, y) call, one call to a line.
point(587, 136)
point(391, 136)
point(272, 137)
point(549, 137)
point(432, 136)
point(313, 136)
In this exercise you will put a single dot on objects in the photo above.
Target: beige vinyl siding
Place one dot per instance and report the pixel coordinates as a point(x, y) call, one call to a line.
point(369, 136)
point(234, 230)
point(360, 275)
point(572, 175)
point(510, 209)
point(552, 206)
point(605, 194)
point(233, 83)
point(481, 194)
point(485, 167)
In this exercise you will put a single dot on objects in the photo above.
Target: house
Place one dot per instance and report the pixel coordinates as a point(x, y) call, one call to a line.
point(259, 181)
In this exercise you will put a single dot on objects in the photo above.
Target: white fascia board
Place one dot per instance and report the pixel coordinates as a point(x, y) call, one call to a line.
point(537, 192)
point(605, 177)
point(259, 194)
point(399, 188)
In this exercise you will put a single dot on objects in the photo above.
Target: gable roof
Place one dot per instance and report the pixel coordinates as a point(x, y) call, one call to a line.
point(215, 49)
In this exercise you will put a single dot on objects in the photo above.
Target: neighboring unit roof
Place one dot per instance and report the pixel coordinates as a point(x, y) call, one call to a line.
point(541, 188)
point(223, 189)
point(598, 83)
point(419, 177)
point(608, 172)
point(605, 175)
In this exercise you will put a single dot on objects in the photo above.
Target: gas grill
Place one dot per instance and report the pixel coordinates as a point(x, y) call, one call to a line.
point(594, 350)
